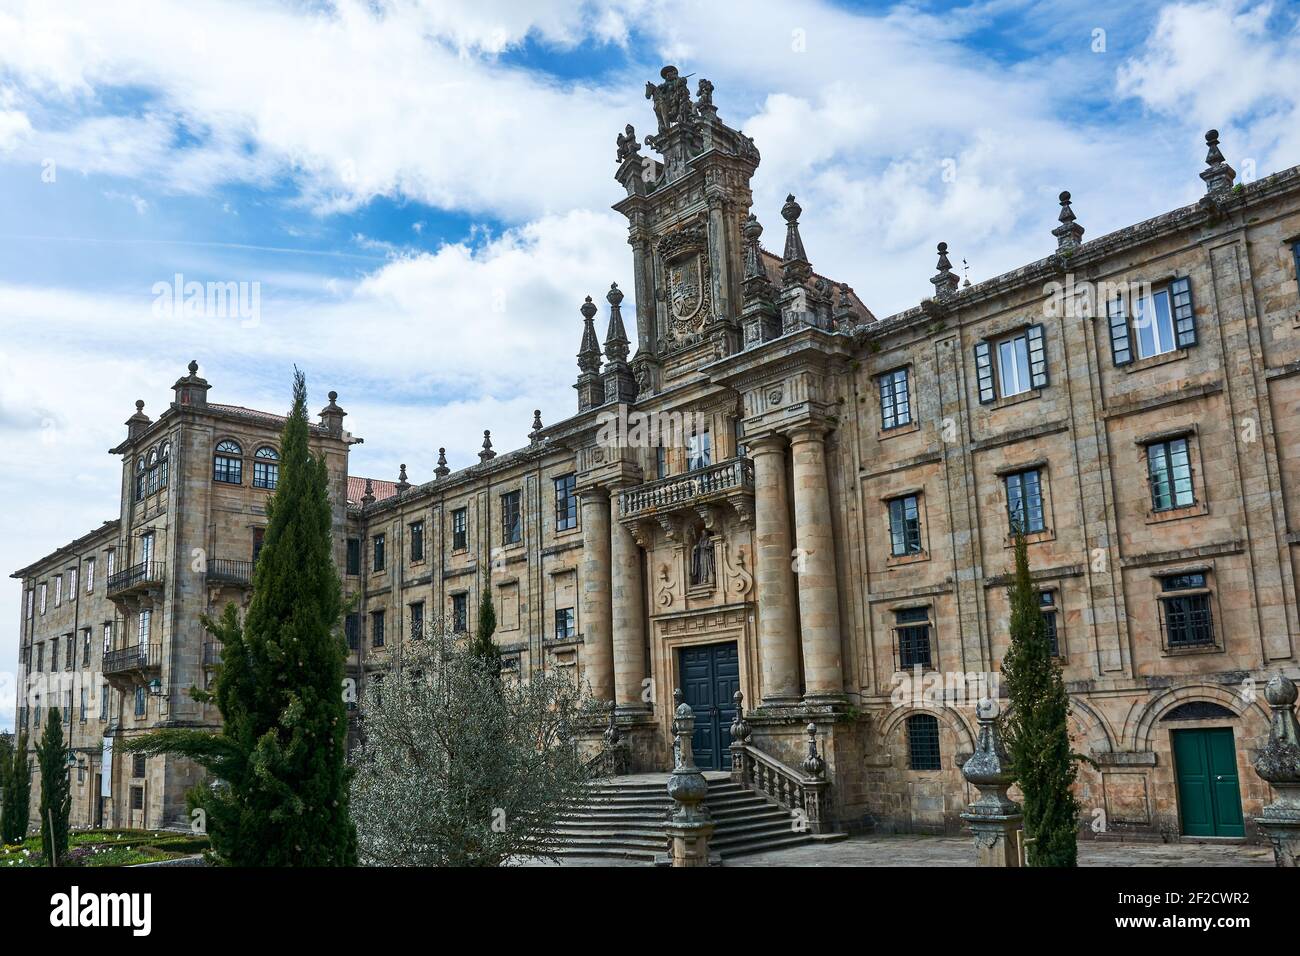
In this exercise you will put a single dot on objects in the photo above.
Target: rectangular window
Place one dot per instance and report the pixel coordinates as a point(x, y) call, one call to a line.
point(459, 529)
point(108, 637)
point(139, 702)
point(137, 766)
point(31, 601)
point(259, 538)
point(228, 469)
point(58, 590)
point(111, 556)
point(90, 575)
point(72, 583)
point(895, 401)
point(1025, 501)
point(1295, 251)
point(1153, 321)
point(85, 703)
point(85, 647)
point(266, 474)
point(912, 625)
point(40, 657)
point(143, 625)
point(661, 461)
point(44, 594)
point(417, 541)
point(70, 656)
point(905, 525)
point(512, 526)
point(566, 502)
point(563, 623)
point(699, 451)
point(352, 628)
point(379, 553)
point(103, 702)
point(354, 556)
point(1187, 616)
point(377, 628)
point(137, 798)
point(146, 548)
point(1047, 605)
point(417, 620)
point(1013, 365)
point(460, 613)
point(923, 742)
point(1169, 471)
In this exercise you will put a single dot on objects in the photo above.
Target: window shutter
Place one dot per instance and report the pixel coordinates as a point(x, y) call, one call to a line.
point(1180, 295)
point(984, 373)
point(1037, 357)
point(1120, 348)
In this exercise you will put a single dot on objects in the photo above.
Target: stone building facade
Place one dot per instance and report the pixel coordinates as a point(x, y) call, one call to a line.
point(768, 489)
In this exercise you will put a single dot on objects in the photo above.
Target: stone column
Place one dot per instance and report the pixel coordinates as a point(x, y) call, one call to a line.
point(778, 638)
point(819, 604)
point(1279, 764)
point(596, 610)
point(628, 620)
point(994, 818)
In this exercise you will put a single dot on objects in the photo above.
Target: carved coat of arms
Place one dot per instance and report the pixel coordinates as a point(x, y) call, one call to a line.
point(686, 272)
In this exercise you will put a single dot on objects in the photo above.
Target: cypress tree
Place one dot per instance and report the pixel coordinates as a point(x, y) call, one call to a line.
point(280, 796)
point(6, 768)
point(17, 795)
point(484, 647)
point(1036, 729)
point(56, 790)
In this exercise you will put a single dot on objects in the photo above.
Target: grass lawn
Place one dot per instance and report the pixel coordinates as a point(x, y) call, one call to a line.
point(109, 848)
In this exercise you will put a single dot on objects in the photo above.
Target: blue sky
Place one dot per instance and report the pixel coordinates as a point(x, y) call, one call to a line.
point(421, 190)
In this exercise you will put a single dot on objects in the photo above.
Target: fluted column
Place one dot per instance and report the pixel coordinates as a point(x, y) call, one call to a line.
point(597, 647)
point(628, 619)
point(778, 637)
point(819, 605)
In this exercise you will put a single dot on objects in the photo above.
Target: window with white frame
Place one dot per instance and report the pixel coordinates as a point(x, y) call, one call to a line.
point(895, 400)
point(1151, 321)
point(1011, 365)
point(905, 525)
point(1169, 471)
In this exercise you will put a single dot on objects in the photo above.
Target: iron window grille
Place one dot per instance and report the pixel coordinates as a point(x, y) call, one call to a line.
point(377, 628)
point(923, 742)
point(1188, 619)
point(905, 525)
point(912, 630)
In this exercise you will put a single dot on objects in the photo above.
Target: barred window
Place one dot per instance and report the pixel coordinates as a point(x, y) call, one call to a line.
point(1025, 501)
point(912, 626)
point(905, 525)
point(228, 463)
point(923, 742)
point(566, 503)
point(137, 766)
point(352, 630)
point(137, 798)
point(1169, 471)
point(266, 468)
point(1188, 620)
point(895, 400)
point(377, 628)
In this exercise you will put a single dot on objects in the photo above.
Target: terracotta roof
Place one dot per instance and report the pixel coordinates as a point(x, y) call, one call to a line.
point(772, 266)
point(378, 487)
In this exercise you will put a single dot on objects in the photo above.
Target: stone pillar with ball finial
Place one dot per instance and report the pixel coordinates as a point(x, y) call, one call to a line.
point(690, 826)
point(1279, 764)
point(994, 818)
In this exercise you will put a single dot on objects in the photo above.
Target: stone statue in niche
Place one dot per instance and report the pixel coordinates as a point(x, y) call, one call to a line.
point(703, 571)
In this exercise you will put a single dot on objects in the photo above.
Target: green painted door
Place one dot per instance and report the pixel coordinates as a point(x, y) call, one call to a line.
point(1209, 798)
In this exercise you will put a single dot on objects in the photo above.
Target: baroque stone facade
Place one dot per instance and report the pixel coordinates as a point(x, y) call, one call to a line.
point(766, 488)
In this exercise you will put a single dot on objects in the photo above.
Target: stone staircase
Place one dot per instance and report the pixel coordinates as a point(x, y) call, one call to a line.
point(624, 817)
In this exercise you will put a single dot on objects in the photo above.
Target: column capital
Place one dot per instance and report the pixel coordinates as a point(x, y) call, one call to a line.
point(766, 444)
point(593, 492)
point(809, 432)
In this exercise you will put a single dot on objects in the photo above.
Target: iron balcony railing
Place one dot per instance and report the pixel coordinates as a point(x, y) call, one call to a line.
point(144, 573)
point(231, 572)
point(734, 474)
point(137, 657)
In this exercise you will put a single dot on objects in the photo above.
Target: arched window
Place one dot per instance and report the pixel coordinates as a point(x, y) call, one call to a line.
point(164, 464)
point(266, 467)
point(139, 479)
point(923, 742)
point(152, 482)
point(228, 463)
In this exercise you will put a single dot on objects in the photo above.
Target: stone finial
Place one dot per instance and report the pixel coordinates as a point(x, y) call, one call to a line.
point(369, 497)
point(331, 416)
point(191, 390)
point(534, 436)
point(845, 311)
point(753, 232)
point(442, 471)
point(994, 818)
point(945, 281)
point(1069, 233)
point(616, 342)
point(794, 262)
point(487, 454)
point(589, 351)
point(740, 729)
point(613, 736)
point(1218, 175)
point(687, 785)
point(402, 483)
point(1279, 764)
point(138, 422)
point(813, 764)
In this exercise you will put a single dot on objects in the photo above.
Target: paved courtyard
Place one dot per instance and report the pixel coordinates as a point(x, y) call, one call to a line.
point(958, 851)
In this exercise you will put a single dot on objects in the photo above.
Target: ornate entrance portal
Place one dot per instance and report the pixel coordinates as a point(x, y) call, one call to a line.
point(710, 677)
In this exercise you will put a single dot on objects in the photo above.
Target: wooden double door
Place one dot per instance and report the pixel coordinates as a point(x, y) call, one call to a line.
point(710, 676)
